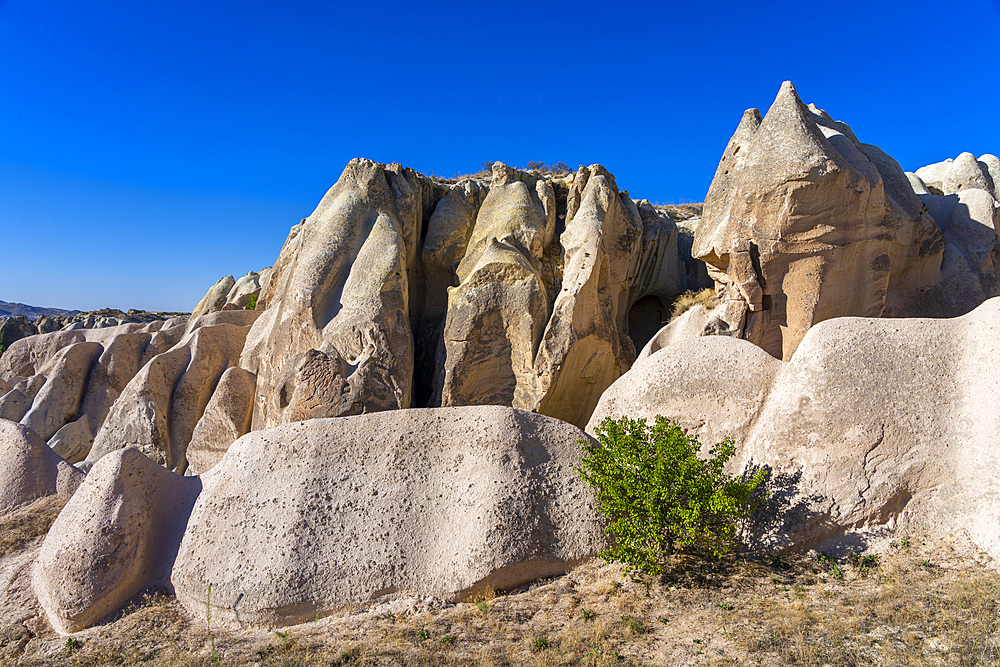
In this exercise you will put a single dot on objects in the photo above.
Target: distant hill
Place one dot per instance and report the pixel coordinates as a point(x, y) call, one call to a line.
point(31, 312)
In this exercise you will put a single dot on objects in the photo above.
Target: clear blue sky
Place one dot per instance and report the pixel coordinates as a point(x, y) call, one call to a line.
point(149, 148)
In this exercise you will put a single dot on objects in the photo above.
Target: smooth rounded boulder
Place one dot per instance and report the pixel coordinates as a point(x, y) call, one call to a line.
point(298, 520)
point(114, 539)
point(29, 470)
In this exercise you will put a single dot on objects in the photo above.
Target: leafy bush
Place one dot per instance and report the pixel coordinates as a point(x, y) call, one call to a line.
point(252, 303)
point(660, 496)
point(3, 345)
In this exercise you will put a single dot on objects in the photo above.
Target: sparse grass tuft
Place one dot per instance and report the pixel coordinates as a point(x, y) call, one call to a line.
point(24, 525)
point(689, 300)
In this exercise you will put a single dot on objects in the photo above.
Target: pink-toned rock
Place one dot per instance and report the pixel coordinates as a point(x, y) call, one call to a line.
point(116, 538)
point(29, 470)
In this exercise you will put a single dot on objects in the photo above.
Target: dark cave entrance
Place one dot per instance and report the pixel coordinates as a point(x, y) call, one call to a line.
point(647, 316)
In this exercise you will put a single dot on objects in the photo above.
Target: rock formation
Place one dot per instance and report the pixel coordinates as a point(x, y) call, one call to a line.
point(963, 173)
point(431, 501)
point(29, 470)
point(116, 538)
point(859, 463)
point(92, 391)
point(231, 294)
point(472, 304)
point(803, 223)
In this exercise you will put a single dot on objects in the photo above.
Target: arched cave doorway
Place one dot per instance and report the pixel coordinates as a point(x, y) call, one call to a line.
point(646, 316)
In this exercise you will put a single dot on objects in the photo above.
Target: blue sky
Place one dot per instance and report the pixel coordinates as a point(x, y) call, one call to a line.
point(147, 149)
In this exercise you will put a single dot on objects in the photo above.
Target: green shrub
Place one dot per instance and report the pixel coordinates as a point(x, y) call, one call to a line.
point(252, 303)
point(3, 345)
point(660, 496)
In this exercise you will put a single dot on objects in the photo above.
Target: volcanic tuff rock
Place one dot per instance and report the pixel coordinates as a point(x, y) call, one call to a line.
point(963, 173)
point(116, 537)
point(470, 304)
point(438, 501)
point(803, 223)
point(231, 294)
point(29, 470)
point(92, 391)
point(857, 463)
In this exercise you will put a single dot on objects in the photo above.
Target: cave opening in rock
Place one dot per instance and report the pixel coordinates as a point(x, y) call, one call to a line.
point(647, 316)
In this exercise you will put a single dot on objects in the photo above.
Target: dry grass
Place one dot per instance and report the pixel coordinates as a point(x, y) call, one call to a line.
point(902, 611)
point(20, 528)
point(688, 300)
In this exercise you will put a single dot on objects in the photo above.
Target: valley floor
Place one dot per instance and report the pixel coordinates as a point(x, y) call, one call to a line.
point(917, 604)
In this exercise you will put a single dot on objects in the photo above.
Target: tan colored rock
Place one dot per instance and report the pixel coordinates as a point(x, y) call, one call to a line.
point(159, 408)
point(803, 223)
point(215, 299)
point(361, 506)
point(858, 464)
point(73, 441)
point(498, 311)
point(59, 399)
point(337, 334)
point(689, 324)
point(116, 538)
point(675, 382)
point(4, 387)
point(447, 239)
point(29, 470)
point(583, 349)
point(227, 417)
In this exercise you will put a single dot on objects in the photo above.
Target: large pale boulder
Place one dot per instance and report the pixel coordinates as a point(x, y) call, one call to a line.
point(803, 223)
point(877, 426)
point(432, 501)
point(116, 538)
point(29, 470)
point(336, 336)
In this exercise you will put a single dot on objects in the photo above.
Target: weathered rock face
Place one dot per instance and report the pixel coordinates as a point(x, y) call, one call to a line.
point(864, 462)
point(231, 294)
point(15, 328)
point(336, 337)
point(215, 299)
point(159, 408)
point(435, 501)
point(963, 173)
point(92, 391)
point(584, 347)
point(29, 470)
point(498, 311)
point(803, 223)
point(116, 537)
point(226, 418)
point(471, 305)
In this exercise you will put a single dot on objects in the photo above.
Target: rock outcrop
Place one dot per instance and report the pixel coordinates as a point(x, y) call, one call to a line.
point(963, 173)
point(116, 538)
point(433, 501)
point(29, 470)
point(804, 223)
point(855, 462)
point(92, 391)
point(472, 303)
point(231, 294)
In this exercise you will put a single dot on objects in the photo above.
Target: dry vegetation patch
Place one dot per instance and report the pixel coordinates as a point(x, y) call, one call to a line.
point(689, 300)
point(903, 608)
point(20, 528)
